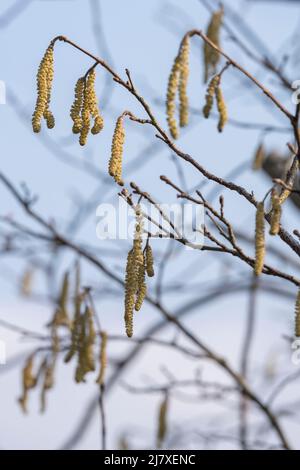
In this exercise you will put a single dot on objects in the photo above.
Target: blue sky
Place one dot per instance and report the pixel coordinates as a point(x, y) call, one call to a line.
point(144, 37)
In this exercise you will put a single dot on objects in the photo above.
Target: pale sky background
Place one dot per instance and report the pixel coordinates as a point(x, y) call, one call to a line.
point(142, 36)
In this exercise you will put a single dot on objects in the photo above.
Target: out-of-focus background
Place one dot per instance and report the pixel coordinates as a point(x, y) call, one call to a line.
point(71, 182)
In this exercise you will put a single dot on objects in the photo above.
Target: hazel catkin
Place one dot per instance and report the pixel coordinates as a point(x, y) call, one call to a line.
point(45, 76)
point(275, 214)
point(259, 239)
point(223, 118)
point(103, 358)
point(76, 107)
point(183, 81)
point(162, 426)
point(210, 93)
point(211, 56)
point(115, 162)
point(149, 261)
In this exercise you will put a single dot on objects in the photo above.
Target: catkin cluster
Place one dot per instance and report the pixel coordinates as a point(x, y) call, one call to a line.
point(117, 147)
point(85, 347)
point(259, 239)
point(214, 92)
point(297, 316)
point(211, 56)
point(139, 263)
point(275, 214)
point(178, 81)
point(44, 85)
point(85, 107)
point(162, 427)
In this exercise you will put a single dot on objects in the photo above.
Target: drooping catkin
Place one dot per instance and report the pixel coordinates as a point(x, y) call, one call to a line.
point(102, 358)
point(141, 288)
point(297, 315)
point(26, 282)
point(162, 426)
point(259, 239)
point(62, 316)
point(173, 84)
point(133, 278)
point(211, 56)
point(290, 180)
point(48, 381)
point(275, 214)
point(115, 162)
point(223, 117)
point(210, 93)
point(29, 381)
point(93, 103)
point(44, 85)
point(76, 107)
point(85, 116)
point(149, 261)
point(183, 82)
point(259, 157)
point(90, 340)
point(75, 326)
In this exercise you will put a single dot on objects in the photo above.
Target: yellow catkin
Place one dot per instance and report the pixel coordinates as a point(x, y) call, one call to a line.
point(93, 103)
point(285, 193)
point(29, 381)
point(210, 93)
point(211, 56)
point(173, 84)
point(142, 287)
point(275, 214)
point(297, 316)
point(85, 116)
point(62, 316)
point(102, 358)
point(149, 261)
point(44, 85)
point(162, 427)
point(76, 107)
point(259, 239)
point(183, 81)
point(135, 262)
point(26, 282)
point(48, 382)
point(259, 157)
point(90, 340)
point(75, 326)
point(117, 147)
point(223, 118)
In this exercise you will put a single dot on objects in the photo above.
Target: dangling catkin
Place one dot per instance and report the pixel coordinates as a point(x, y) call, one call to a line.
point(44, 85)
point(149, 261)
point(210, 93)
point(115, 162)
point(297, 315)
point(259, 157)
point(133, 278)
point(62, 316)
point(142, 287)
point(259, 239)
point(211, 56)
point(76, 107)
point(29, 382)
point(85, 116)
point(93, 103)
point(183, 81)
point(223, 118)
point(276, 214)
point(173, 84)
point(103, 358)
point(162, 427)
